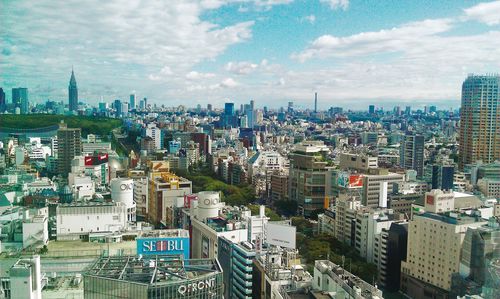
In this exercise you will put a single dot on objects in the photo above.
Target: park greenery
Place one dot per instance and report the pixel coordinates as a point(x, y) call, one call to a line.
point(101, 126)
point(327, 247)
point(203, 179)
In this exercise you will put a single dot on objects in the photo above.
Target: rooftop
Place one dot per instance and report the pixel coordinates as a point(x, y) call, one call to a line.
point(348, 281)
point(156, 269)
point(166, 233)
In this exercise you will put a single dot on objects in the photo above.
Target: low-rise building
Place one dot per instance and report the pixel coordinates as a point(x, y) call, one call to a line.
point(80, 220)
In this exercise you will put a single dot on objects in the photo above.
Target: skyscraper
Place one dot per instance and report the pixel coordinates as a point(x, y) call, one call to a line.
point(69, 142)
point(411, 153)
point(132, 102)
point(118, 108)
point(480, 120)
point(18, 94)
point(72, 93)
point(228, 119)
point(315, 102)
point(3, 104)
point(371, 109)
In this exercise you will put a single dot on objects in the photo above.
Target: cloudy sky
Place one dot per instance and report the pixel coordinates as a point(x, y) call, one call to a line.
point(352, 52)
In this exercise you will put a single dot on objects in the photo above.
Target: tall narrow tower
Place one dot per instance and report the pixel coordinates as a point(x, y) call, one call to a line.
point(315, 102)
point(73, 93)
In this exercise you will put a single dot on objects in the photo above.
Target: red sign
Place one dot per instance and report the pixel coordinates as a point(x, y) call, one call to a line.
point(355, 180)
point(96, 160)
point(188, 199)
point(89, 161)
point(430, 199)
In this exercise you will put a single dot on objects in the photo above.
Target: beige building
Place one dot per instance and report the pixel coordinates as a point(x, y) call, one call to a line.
point(434, 243)
point(490, 188)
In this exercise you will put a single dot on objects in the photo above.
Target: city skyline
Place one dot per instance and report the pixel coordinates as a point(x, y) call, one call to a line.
point(208, 52)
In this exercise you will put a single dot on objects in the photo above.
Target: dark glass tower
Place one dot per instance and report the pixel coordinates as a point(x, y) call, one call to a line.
point(73, 93)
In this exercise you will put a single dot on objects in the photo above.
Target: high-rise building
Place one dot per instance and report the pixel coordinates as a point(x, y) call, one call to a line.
point(309, 176)
point(132, 102)
point(18, 94)
point(145, 103)
point(3, 104)
point(73, 93)
point(442, 177)
point(118, 108)
point(229, 117)
point(69, 142)
point(315, 102)
point(411, 153)
point(480, 120)
point(25, 105)
point(408, 110)
point(371, 109)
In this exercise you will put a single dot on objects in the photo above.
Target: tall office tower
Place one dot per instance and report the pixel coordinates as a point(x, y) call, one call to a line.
point(442, 177)
point(118, 108)
point(145, 103)
point(309, 176)
point(290, 107)
point(69, 145)
point(73, 93)
point(408, 110)
point(125, 108)
point(141, 105)
point(3, 105)
point(209, 107)
point(315, 102)
point(18, 94)
point(480, 120)
point(25, 105)
point(397, 110)
point(250, 114)
point(228, 114)
point(371, 109)
point(411, 153)
point(132, 102)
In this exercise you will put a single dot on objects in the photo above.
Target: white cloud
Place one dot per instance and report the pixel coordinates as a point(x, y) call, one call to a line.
point(365, 43)
point(229, 82)
point(310, 18)
point(241, 68)
point(488, 13)
point(194, 75)
point(166, 70)
point(336, 4)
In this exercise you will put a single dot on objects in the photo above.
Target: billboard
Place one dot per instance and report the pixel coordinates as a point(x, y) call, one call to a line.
point(347, 180)
point(430, 199)
point(355, 181)
point(281, 235)
point(170, 246)
point(96, 160)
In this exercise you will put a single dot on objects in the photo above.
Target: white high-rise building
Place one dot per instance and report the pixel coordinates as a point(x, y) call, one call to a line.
point(155, 133)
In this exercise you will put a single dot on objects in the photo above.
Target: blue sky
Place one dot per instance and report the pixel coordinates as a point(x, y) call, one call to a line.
point(353, 53)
